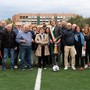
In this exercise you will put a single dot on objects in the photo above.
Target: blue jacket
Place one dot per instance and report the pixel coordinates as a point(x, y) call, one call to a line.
point(16, 30)
point(81, 36)
point(26, 36)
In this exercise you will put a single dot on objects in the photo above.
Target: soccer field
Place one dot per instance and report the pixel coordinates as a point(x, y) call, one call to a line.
point(61, 80)
point(17, 79)
point(66, 80)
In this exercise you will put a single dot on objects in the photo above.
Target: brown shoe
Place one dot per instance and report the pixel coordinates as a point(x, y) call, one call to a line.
point(81, 68)
point(89, 64)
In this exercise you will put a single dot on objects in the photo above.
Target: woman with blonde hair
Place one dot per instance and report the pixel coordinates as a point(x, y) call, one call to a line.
point(87, 39)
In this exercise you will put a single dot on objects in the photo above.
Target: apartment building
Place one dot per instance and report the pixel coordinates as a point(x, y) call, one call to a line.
point(39, 18)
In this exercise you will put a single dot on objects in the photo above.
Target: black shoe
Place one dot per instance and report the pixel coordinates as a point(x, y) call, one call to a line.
point(3, 69)
point(12, 68)
point(23, 69)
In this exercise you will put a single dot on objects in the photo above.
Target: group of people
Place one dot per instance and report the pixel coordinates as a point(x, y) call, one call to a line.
point(60, 43)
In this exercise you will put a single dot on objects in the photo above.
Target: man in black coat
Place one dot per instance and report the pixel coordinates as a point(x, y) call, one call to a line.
point(9, 46)
point(69, 47)
point(0, 49)
point(2, 28)
point(55, 37)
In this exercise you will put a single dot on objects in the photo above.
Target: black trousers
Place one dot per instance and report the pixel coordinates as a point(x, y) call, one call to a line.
point(55, 57)
point(0, 60)
point(87, 58)
point(79, 59)
point(42, 59)
point(62, 52)
point(2, 49)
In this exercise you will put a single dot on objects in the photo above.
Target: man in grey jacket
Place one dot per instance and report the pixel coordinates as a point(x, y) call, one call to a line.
point(24, 38)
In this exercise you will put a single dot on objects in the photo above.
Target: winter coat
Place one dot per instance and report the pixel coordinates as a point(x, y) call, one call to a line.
point(69, 37)
point(38, 39)
point(9, 39)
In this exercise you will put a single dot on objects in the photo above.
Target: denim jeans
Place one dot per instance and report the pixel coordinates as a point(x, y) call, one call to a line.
point(25, 55)
point(8, 51)
point(16, 55)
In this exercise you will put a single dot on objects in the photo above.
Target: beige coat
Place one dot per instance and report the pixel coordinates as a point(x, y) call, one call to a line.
point(40, 43)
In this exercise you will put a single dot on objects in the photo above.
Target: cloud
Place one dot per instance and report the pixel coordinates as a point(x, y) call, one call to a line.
point(11, 7)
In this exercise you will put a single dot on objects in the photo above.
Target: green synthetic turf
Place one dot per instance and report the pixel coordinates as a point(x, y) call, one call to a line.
point(17, 79)
point(61, 80)
point(65, 80)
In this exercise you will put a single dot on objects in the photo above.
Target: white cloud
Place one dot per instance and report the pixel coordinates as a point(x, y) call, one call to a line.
point(11, 7)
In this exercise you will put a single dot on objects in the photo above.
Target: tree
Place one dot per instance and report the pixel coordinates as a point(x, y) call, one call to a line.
point(79, 20)
point(87, 20)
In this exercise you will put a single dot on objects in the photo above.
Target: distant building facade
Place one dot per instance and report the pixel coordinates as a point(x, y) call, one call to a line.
point(40, 18)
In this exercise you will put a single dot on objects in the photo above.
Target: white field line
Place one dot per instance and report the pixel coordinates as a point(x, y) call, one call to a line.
point(38, 80)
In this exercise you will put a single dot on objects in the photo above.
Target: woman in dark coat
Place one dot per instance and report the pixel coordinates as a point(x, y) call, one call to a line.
point(79, 43)
point(87, 39)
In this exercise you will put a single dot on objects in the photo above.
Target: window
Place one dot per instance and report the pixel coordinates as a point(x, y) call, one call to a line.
point(26, 17)
point(21, 17)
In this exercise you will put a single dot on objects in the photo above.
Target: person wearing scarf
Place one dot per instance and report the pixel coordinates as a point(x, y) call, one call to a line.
point(42, 50)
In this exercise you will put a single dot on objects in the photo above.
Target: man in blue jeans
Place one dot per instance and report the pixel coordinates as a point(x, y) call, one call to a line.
point(9, 46)
point(17, 28)
point(24, 38)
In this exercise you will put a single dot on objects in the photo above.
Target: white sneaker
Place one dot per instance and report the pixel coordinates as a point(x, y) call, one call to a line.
point(45, 68)
point(25, 66)
point(66, 67)
point(86, 66)
point(73, 68)
point(19, 60)
point(15, 67)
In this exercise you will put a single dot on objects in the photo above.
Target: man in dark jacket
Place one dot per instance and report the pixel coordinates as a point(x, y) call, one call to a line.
point(0, 49)
point(55, 37)
point(0, 39)
point(2, 28)
point(9, 46)
point(69, 47)
point(64, 28)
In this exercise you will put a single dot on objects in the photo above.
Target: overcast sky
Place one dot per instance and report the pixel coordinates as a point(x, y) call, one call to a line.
point(10, 7)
